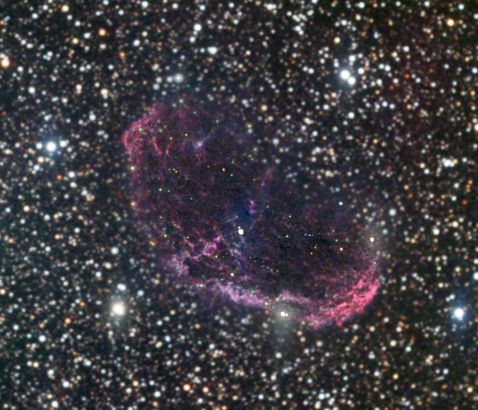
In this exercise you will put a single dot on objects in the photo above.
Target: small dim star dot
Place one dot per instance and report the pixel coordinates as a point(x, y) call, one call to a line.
point(51, 146)
point(118, 309)
point(459, 313)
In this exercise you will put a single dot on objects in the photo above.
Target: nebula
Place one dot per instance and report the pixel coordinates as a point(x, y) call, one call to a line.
point(228, 223)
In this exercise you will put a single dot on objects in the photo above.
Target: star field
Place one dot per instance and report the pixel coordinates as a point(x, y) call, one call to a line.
point(374, 101)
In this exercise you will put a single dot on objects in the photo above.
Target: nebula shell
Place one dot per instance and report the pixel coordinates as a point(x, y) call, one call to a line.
point(228, 223)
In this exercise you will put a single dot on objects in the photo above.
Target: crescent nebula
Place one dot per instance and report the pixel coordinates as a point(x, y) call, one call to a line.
point(227, 223)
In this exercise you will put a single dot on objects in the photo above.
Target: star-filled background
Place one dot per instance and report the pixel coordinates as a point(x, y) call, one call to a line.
point(375, 100)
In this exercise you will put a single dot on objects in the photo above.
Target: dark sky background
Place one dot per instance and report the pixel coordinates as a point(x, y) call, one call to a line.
point(376, 100)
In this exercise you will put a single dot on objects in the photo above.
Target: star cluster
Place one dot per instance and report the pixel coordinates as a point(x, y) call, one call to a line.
point(373, 100)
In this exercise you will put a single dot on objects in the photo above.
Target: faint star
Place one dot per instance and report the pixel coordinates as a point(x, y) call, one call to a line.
point(118, 309)
point(459, 313)
point(51, 146)
point(345, 74)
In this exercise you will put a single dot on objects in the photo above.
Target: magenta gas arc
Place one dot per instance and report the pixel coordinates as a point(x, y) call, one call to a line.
point(227, 223)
